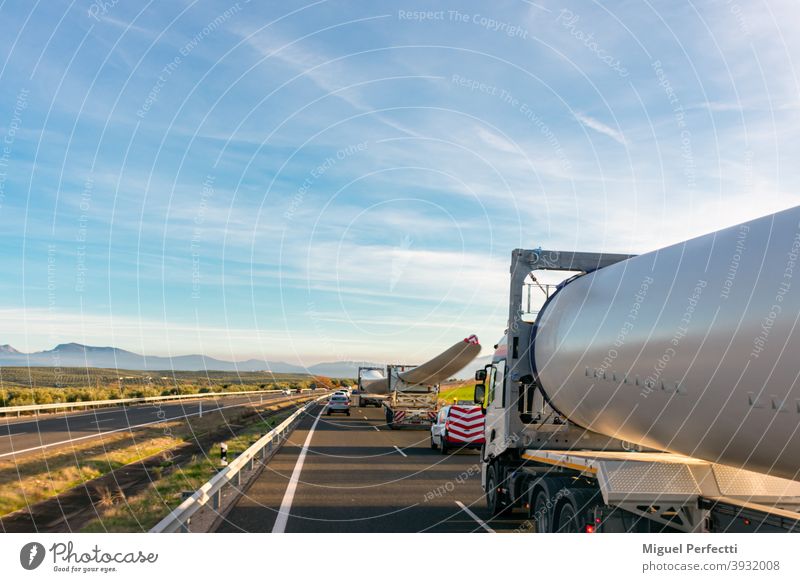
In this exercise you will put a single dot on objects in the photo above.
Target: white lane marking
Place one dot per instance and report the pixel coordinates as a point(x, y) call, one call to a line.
point(288, 496)
point(480, 522)
point(365, 418)
point(400, 451)
point(376, 428)
point(108, 432)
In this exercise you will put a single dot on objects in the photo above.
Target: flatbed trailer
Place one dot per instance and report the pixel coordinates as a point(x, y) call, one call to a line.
point(618, 491)
point(409, 405)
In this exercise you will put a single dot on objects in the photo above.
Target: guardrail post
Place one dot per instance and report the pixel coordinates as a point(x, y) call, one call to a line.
point(185, 525)
point(238, 478)
point(216, 499)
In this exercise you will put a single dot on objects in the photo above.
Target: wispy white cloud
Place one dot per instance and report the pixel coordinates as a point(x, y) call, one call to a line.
point(601, 127)
point(496, 141)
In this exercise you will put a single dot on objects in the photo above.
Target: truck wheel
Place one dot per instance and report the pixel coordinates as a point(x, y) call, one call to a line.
point(348, 413)
point(540, 512)
point(493, 500)
point(434, 446)
point(444, 447)
point(567, 519)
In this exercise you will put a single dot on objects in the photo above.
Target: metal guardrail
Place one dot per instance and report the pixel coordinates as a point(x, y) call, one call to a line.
point(179, 518)
point(123, 401)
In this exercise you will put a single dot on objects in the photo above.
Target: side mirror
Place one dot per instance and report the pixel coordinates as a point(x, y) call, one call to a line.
point(480, 375)
point(480, 393)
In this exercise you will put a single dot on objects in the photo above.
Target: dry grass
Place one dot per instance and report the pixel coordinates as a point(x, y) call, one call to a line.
point(142, 511)
point(46, 473)
point(43, 474)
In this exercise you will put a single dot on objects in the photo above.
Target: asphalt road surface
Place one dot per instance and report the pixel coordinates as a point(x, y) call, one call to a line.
point(21, 436)
point(354, 474)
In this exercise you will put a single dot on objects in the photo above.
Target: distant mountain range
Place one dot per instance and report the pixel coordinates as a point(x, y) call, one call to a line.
point(73, 355)
point(81, 356)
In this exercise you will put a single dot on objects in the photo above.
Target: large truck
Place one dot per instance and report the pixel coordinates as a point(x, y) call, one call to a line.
point(369, 373)
point(409, 405)
point(658, 392)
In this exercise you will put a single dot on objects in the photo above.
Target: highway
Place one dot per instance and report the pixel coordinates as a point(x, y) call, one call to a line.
point(29, 434)
point(354, 474)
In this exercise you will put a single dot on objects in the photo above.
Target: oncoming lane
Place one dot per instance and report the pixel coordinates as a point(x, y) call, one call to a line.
point(21, 436)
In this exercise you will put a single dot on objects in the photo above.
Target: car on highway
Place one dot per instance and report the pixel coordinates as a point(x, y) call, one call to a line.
point(338, 403)
point(458, 426)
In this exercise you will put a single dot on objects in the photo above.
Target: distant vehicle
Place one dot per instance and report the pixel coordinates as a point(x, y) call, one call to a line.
point(286, 392)
point(364, 397)
point(338, 403)
point(410, 394)
point(459, 426)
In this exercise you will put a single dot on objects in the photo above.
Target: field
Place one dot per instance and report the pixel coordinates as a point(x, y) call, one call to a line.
point(457, 391)
point(39, 385)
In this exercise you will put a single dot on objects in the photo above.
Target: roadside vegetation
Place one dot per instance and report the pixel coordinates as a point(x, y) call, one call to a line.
point(26, 386)
point(142, 511)
point(46, 473)
point(456, 391)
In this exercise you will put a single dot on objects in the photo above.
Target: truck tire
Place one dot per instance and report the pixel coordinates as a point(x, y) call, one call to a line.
point(494, 499)
point(444, 447)
point(434, 446)
point(540, 512)
point(567, 519)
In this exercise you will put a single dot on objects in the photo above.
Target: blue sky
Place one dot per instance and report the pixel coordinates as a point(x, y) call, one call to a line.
point(346, 180)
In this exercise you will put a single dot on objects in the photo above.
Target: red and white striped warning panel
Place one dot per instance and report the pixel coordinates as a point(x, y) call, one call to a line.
point(465, 424)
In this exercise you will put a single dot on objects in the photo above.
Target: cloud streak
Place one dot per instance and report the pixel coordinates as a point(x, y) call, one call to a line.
point(601, 128)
